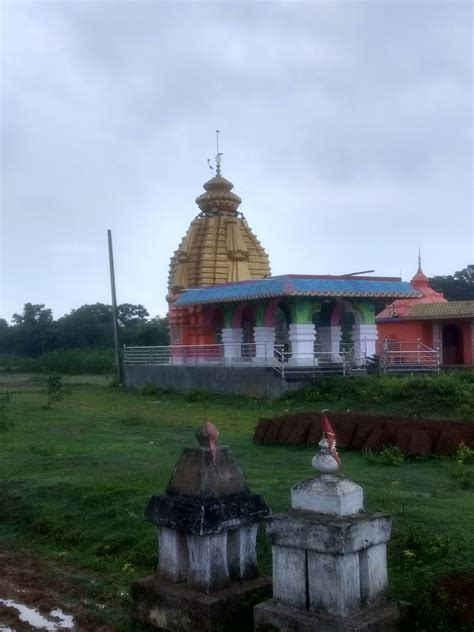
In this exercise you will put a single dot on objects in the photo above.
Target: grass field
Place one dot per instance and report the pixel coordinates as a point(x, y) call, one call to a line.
point(75, 479)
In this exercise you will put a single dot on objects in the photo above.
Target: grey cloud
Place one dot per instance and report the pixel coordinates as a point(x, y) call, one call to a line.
point(346, 123)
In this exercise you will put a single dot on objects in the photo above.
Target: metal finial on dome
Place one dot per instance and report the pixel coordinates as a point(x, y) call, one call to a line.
point(218, 154)
point(419, 259)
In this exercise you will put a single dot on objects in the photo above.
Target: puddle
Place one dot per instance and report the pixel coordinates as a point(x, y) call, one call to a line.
point(36, 620)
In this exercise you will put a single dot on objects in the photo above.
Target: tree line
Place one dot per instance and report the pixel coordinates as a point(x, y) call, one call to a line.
point(456, 287)
point(34, 332)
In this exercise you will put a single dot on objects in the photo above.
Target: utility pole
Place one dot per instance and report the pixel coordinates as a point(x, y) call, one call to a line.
point(118, 364)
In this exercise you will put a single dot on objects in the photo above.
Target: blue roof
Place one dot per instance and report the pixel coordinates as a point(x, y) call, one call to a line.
point(299, 285)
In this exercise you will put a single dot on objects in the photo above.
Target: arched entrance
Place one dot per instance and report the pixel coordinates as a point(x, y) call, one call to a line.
point(452, 345)
point(244, 321)
point(281, 323)
point(215, 324)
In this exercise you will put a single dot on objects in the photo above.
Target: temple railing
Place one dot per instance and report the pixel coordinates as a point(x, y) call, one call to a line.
point(281, 360)
point(402, 357)
point(410, 356)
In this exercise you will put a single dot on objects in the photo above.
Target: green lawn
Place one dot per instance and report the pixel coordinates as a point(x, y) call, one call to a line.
point(75, 480)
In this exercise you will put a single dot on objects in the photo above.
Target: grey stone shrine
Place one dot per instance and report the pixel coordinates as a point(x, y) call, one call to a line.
point(329, 557)
point(207, 523)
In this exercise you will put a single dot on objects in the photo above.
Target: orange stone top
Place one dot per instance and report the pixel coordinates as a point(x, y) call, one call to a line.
point(401, 308)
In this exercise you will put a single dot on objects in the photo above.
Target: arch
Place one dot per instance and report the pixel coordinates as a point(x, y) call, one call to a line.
point(452, 337)
point(271, 308)
point(342, 307)
point(238, 314)
point(214, 323)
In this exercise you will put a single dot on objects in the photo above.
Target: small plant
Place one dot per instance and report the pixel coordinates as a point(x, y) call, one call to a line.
point(197, 396)
point(464, 454)
point(460, 474)
point(5, 402)
point(389, 455)
point(54, 389)
point(154, 389)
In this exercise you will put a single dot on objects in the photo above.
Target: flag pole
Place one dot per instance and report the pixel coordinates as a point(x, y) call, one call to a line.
point(118, 364)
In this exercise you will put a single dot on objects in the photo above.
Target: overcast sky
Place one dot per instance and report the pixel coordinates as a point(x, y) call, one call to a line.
point(346, 130)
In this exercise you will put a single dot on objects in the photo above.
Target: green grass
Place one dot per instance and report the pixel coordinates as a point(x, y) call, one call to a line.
point(75, 480)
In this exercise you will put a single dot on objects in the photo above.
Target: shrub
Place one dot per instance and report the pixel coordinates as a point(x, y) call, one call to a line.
point(154, 389)
point(67, 362)
point(54, 389)
point(464, 454)
point(197, 396)
point(389, 455)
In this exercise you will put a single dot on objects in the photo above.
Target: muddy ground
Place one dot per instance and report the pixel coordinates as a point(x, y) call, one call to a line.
point(40, 595)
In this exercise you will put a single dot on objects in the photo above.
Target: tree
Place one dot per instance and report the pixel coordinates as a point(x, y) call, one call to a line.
point(87, 326)
point(5, 336)
point(456, 287)
point(32, 331)
point(153, 332)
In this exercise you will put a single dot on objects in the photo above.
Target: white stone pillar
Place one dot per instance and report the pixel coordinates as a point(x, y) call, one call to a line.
point(302, 338)
point(373, 573)
point(289, 576)
point(242, 553)
point(364, 338)
point(173, 555)
point(333, 582)
point(208, 570)
point(330, 338)
point(264, 344)
point(232, 339)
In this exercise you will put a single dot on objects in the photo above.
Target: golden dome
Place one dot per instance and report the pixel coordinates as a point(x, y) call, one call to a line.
point(219, 246)
point(218, 197)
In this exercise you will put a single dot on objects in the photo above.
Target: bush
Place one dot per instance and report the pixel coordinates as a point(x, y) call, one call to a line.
point(197, 396)
point(389, 455)
point(54, 389)
point(67, 362)
point(445, 393)
point(154, 389)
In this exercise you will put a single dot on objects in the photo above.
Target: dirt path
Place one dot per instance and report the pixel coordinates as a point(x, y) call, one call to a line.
point(36, 594)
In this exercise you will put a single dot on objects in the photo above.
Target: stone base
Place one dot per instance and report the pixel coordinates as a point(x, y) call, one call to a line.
point(176, 607)
point(271, 616)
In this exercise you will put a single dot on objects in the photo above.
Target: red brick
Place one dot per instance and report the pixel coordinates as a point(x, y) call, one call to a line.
point(261, 429)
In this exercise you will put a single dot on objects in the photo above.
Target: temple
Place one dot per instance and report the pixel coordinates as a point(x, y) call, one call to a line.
point(408, 327)
point(226, 310)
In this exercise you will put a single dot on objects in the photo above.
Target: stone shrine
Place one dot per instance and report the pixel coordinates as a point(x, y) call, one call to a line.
point(207, 524)
point(329, 557)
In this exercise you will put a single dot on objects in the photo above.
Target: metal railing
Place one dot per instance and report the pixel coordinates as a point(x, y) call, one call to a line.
point(316, 363)
point(215, 354)
point(408, 356)
point(281, 360)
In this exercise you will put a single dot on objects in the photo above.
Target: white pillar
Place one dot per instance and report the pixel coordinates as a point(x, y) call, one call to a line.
point(208, 570)
point(264, 344)
point(173, 555)
point(364, 338)
point(302, 339)
point(232, 339)
point(438, 338)
point(334, 583)
point(242, 553)
point(330, 338)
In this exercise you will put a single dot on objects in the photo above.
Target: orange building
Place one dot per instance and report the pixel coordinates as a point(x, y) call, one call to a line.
point(428, 322)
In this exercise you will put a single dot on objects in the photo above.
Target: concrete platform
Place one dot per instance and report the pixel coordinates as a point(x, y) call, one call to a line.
point(272, 616)
point(176, 607)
